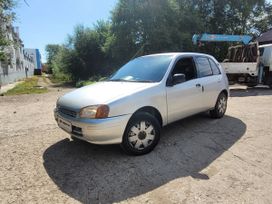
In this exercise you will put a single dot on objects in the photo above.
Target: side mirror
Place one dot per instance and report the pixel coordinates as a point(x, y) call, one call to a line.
point(178, 78)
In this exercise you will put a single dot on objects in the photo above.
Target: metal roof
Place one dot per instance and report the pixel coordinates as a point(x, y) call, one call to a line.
point(265, 38)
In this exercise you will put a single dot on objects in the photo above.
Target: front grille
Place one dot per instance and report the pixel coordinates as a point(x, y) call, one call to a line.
point(68, 112)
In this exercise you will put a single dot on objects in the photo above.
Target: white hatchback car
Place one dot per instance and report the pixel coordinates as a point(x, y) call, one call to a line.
point(144, 95)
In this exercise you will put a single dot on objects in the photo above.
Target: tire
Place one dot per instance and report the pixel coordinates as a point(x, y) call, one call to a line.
point(220, 106)
point(142, 134)
point(251, 85)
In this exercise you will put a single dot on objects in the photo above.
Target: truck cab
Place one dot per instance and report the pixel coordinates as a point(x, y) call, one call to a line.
point(266, 62)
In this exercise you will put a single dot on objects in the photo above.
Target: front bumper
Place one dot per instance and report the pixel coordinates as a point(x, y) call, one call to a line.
point(97, 131)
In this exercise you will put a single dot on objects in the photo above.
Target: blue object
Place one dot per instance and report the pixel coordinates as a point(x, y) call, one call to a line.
point(220, 38)
point(38, 59)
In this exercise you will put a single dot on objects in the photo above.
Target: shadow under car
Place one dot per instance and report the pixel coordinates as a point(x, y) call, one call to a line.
point(104, 174)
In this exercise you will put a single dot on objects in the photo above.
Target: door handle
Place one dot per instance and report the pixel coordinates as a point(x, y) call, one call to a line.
point(198, 85)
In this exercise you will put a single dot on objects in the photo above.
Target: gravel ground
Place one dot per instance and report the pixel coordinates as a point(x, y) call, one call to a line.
point(198, 160)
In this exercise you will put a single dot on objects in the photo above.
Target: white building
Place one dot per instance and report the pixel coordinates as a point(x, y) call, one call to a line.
point(19, 63)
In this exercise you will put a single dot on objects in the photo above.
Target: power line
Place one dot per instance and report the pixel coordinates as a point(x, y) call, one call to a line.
point(26, 3)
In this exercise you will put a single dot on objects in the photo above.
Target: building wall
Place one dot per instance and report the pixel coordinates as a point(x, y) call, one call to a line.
point(13, 76)
point(20, 64)
point(35, 53)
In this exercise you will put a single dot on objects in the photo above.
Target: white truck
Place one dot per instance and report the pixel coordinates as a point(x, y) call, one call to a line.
point(249, 64)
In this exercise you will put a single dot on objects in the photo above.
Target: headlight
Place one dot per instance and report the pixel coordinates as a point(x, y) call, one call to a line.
point(96, 111)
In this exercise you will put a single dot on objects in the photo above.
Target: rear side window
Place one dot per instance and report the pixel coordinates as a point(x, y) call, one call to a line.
point(204, 67)
point(214, 67)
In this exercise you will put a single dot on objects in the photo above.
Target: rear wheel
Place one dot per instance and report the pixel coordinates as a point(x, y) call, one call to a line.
point(142, 134)
point(220, 106)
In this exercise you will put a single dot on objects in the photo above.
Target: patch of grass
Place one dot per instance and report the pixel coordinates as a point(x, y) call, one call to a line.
point(59, 79)
point(44, 79)
point(29, 86)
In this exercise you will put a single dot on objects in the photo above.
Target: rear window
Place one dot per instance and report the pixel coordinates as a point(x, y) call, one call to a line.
point(204, 67)
point(214, 67)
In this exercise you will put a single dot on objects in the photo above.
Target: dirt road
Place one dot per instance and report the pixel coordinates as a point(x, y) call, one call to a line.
point(198, 160)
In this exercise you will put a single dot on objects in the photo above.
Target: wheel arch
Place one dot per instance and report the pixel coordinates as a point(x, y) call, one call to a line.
point(152, 111)
point(224, 91)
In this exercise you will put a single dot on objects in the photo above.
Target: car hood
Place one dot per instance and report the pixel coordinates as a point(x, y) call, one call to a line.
point(101, 93)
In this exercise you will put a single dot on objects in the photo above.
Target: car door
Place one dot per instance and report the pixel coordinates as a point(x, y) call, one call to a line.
point(209, 79)
point(183, 99)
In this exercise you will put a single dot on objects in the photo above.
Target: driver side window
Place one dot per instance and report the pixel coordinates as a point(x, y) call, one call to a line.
point(185, 66)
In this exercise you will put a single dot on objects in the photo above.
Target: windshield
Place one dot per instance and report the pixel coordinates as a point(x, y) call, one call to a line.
point(144, 69)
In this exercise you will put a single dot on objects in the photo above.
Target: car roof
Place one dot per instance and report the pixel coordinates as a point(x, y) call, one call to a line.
point(176, 54)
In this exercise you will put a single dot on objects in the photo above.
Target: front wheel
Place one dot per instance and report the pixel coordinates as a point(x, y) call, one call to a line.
point(220, 106)
point(142, 134)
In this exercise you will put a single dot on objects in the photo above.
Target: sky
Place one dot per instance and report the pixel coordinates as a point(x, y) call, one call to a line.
point(50, 21)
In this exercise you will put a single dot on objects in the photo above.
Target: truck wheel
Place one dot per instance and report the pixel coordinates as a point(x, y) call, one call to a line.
point(142, 134)
point(252, 85)
point(220, 106)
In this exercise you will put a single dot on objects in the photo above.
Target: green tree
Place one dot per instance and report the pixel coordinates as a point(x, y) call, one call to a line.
point(150, 24)
point(61, 63)
point(264, 20)
point(6, 17)
point(139, 27)
point(229, 17)
point(86, 54)
point(52, 51)
point(87, 48)
point(168, 25)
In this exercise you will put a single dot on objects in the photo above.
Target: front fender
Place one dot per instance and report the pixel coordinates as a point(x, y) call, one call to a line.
point(153, 97)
